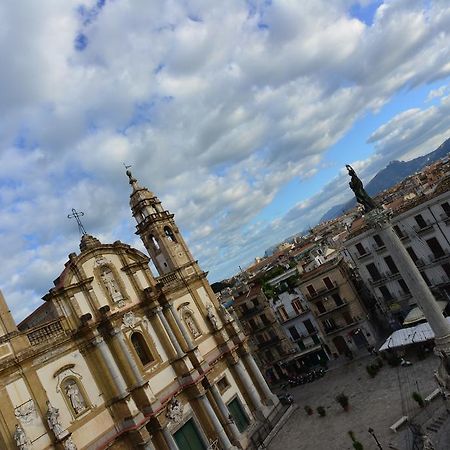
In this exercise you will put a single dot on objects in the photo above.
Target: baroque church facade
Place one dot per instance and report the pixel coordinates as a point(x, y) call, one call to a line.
point(118, 358)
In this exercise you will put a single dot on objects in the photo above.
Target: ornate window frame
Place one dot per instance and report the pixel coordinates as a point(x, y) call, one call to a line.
point(151, 347)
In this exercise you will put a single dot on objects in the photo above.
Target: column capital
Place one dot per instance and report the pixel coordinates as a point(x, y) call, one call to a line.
point(116, 331)
point(98, 340)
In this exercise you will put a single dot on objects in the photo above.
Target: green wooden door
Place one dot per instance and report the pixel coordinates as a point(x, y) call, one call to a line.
point(188, 437)
point(238, 414)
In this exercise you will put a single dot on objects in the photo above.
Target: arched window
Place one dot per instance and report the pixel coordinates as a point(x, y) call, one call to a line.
point(141, 347)
point(154, 242)
point(169, 233)
point(75, 395)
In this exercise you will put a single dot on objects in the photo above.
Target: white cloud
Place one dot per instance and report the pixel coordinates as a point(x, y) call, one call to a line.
point(217, 106)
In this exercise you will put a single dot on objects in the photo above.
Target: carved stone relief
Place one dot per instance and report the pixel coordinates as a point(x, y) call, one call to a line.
point(174, 411)
point(26, 412)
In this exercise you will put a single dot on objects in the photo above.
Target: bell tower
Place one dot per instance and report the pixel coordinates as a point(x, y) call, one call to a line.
point(159, 232)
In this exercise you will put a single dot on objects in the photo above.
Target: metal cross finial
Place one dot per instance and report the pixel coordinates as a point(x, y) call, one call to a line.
point(76, 215)
point(126, 166)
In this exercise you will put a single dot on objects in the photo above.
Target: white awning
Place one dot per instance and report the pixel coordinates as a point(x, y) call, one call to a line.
point(408, 336)
point(416, 314)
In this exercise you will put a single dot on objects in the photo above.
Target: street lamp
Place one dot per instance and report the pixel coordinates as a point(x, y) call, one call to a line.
point(372, 432)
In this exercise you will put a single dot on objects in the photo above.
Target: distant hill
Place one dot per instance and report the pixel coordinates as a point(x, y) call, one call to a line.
point(392, 174)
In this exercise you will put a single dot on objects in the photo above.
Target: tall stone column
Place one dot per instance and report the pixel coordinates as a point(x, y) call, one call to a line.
point(268, 394)
point(245, 379)
point(110, 363)
point(169, 331)
point(233, 429)
point(182, 328)
point(170, 441)
point(218, 428)
point(118, 336)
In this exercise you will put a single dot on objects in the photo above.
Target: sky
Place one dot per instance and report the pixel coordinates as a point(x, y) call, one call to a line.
point(239, 115)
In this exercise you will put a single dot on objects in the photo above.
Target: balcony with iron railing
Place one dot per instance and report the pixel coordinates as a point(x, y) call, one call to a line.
point(45, 333)
point(323, 291)
point(341, 326)
point(156, 216)
point(445, 217)
point(273, 341)
point(247, 314)
point(363, 255)
point(439, 257)
point(424, 228)
point(333, 309)
point(385, 277)
point(379, 248)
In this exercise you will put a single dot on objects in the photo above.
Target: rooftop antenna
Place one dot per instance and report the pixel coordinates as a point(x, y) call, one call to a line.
point(76, 215)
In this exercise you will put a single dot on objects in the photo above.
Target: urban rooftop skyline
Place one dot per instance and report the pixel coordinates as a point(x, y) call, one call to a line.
point(239, 116)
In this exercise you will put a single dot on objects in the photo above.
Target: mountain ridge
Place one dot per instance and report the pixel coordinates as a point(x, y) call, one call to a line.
point(392, 174)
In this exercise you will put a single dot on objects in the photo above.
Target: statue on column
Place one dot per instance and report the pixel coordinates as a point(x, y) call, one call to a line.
point(21, 438)
point(362, 197)
point(211, 316)
point(53, 420)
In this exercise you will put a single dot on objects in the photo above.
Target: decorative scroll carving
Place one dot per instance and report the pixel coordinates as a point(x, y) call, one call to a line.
point(26, 412)
point(129, 319)
point(174, 411)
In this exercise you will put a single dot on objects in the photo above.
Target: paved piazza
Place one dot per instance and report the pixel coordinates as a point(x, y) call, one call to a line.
point(375, 403)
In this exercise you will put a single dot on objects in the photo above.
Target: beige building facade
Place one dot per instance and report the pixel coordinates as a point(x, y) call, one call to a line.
point(338, 308)
point(118, 358)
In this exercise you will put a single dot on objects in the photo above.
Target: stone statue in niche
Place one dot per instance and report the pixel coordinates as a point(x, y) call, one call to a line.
point(74, 395)
point(174, 411)
point(21, 438)
point(211, 316)
point(188, 317)
point(53, 420)
point(69, 444)
point(110, 284)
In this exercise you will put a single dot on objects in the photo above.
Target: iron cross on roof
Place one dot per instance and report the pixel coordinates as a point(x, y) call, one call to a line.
point(76, 215)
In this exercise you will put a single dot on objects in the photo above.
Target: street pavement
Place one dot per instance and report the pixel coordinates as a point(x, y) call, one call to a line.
point(374, 403)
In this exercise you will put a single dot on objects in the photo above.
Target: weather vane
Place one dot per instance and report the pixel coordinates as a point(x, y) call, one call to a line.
point(76, 215)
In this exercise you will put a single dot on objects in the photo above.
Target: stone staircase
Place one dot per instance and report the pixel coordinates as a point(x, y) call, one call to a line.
point(437, 423)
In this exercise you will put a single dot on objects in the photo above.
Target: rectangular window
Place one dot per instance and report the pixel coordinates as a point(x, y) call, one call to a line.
point(385, 292)
point(420, 221)
point(237, 412)
point(391, 264)
point(403, 286)
point(435, 247)
point(398, 231)
point(337, 299)
point(269, 356)
point(309, 326)
point(446, 207)
point(378, 241)
point(446, 268)
point(373, 271)
point(282, 313)
point(328, 283)
point(412, 253)
point(294, 333)
point(223, 384)
point(329, 324)
point(320, 307)
point(425, 277)
point(311, 289)
point(297, 306)
point(361, 250)
point(348, 318)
